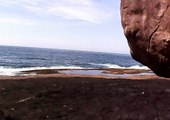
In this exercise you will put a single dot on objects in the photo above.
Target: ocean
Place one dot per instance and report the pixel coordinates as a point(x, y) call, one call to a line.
point(14, 59)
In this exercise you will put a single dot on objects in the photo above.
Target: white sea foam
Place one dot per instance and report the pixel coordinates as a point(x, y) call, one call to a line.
point(7, 71)
point(112, 66)
point(139, 67)
point(120, 67)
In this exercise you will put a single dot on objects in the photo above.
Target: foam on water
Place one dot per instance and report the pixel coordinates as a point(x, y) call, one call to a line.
point(139, 67)
point(7, 71)
point(120, 67)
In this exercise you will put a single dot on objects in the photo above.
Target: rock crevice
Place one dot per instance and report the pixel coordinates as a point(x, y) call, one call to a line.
point(156, 29)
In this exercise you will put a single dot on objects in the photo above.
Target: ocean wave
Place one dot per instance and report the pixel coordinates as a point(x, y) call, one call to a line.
point(139, 67)
point(8, 71)
point(120, 67)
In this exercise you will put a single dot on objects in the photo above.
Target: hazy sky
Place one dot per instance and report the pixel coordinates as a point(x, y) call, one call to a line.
point(92, 25)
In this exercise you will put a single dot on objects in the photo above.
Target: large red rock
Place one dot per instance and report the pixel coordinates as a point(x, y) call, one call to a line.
point(146, 26)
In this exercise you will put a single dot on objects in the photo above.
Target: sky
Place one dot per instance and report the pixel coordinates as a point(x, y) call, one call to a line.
point(91, 25)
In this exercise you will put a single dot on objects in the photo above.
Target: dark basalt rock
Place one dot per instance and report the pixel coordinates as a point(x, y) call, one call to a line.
point(146, 26)
point(3, 117)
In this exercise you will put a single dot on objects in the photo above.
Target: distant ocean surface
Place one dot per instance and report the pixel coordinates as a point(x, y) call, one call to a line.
point(26, 58)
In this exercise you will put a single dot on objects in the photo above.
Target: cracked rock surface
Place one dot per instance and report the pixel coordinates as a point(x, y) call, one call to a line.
point(146, 26)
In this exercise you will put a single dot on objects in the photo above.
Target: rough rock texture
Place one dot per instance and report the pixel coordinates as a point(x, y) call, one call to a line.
point(146, 25)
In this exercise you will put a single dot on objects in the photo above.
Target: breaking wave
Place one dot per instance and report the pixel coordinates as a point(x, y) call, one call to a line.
point(120, 67)
point(8, 71)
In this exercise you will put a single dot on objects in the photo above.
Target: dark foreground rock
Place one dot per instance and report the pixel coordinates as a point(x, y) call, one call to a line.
point(79, 98)
point(3, 117)
point(146, 25)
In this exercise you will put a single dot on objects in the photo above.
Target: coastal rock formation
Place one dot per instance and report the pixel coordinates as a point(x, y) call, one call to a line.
point(146, 26)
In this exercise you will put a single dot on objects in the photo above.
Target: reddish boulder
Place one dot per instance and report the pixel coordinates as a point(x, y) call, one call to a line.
point(146, 26)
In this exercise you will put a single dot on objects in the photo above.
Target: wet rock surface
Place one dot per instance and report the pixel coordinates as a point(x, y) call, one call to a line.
point(146, 26)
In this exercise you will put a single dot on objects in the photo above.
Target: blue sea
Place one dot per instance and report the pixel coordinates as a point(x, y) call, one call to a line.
point(26, 58)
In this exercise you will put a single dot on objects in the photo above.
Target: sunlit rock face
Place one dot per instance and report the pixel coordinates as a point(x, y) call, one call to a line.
point(146, 25)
